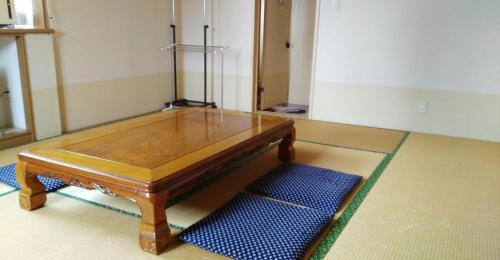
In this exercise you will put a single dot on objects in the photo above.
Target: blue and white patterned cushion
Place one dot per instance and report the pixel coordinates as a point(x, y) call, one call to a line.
point(254, 227)
point(8, 176)
point(308, 186)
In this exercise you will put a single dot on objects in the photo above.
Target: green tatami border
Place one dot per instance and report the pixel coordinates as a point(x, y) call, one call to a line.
point(326, 242)
point(340, 146)
point(8, 192)
point(329, 240)
point(128, 213)
point(188, 193)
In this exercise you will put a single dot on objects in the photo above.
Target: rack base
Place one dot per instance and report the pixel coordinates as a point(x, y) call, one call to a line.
point(190, 103)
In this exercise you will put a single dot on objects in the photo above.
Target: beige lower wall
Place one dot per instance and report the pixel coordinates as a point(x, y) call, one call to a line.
point(238, 90)
point(459, 114)
point(92, 103)
point(46, 113)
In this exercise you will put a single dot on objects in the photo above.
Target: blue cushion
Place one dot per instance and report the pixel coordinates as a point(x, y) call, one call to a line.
point(253, 227)
point(8, 176)
point(308, 186)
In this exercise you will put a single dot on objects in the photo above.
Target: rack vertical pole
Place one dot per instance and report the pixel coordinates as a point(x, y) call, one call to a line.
point(222, 80)
point(173, 26)
point(205, 28)
point(172, 100)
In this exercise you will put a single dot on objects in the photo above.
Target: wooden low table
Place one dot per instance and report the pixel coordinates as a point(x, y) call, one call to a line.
point(151, 159)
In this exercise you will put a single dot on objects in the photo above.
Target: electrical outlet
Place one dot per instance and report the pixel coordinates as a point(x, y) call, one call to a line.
point(422, 107)
point(334, 4)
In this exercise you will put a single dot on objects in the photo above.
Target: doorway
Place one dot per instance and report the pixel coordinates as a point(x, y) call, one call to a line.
point(286, 30)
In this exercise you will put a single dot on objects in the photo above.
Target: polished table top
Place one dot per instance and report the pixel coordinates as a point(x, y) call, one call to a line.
point(156, 146)
point(157, 143)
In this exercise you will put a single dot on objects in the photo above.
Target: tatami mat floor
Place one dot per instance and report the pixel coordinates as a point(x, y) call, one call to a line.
point(437, 198)
point(356, 137)
point(181, 215)
point(343, 135)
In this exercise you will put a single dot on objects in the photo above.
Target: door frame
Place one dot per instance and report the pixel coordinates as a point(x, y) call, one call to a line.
point(257, 60)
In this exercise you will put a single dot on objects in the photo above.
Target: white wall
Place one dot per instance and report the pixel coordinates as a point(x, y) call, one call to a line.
point(11, 105)
point(43, 83)
point(231, 24)
point(109, 57)
point(376, 60)
point(301, 52)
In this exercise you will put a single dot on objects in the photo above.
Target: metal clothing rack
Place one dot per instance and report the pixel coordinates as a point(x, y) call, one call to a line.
point(173, 49)
point(205, 49)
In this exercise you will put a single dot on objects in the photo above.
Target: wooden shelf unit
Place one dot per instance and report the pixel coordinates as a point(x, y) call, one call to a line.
point(21, 136)
point(22, 31)
point(11, 137)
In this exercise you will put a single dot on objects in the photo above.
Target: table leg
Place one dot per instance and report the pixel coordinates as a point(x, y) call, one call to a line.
point(286, 151)
point(32, 194)
point(154, 233)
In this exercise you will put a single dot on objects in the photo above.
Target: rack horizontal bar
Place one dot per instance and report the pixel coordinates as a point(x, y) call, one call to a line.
point(195, 48)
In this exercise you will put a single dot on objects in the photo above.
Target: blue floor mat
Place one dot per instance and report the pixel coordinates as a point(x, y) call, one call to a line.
point(8, 176)
point(253, 227)
point(308, 186)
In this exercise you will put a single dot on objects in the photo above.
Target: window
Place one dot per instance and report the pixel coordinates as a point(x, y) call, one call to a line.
point(30, 13)
point(24, 13)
